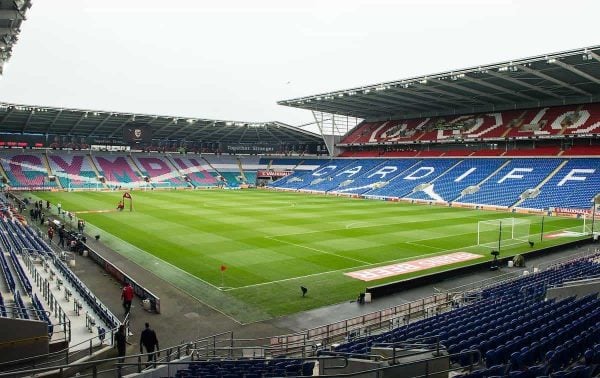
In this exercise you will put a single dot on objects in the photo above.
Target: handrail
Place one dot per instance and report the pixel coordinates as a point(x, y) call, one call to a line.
point(474, 359)
point(375, 320)
point(168, 352)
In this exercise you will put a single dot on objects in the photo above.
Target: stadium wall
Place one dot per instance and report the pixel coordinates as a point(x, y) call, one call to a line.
point(411, 283)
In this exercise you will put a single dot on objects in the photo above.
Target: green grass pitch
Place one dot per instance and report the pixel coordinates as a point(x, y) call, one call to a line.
point(273, 242)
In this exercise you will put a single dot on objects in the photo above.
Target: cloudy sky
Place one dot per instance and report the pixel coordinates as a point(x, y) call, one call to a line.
point(234, 59)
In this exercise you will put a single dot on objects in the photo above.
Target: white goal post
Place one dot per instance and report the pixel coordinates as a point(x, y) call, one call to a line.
point(502, 232)
point(591, 223)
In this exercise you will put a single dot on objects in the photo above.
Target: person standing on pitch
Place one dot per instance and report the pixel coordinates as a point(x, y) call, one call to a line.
point(149, 340)
point(127, 297)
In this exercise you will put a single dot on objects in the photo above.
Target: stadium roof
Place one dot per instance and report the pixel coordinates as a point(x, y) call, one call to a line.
point(568, 77)
point(32, 119)
point(12, 14)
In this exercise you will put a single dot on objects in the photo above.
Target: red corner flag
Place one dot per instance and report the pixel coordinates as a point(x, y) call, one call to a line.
point(223, 268)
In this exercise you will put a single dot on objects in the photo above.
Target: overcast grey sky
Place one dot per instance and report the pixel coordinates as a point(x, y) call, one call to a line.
point(233, 59)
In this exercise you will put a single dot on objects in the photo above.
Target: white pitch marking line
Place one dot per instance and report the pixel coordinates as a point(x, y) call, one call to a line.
point(317, 250)
point(425, 245)
point(349, 225)
point(383, 263)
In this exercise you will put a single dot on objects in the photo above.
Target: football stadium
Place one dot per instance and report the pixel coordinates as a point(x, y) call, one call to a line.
point(443, 225)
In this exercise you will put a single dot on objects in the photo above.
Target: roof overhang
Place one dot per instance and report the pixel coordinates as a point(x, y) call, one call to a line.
point(44, 120)
point(568, 77)
point(12, 14)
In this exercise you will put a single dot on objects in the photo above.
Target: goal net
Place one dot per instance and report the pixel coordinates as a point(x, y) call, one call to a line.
point(591, 223)
point(502, 232)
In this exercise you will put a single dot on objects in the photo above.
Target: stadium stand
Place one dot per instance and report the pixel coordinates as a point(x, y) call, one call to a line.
point(573, 186)
point(562, 120)
point(26, 170)
point(511, 324)
point(159, 171)
point(195, 169)
point(504, 187)
point(73, 170)
point(117, 170)
point(449, 186)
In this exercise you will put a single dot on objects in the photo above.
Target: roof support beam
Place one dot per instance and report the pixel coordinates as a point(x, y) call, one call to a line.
point(118, 129)
point(551, 79)
point(9, 31)
point(423, 105)
point(577, 71)
point(83, 116)
point(171, 122)
point(472, 91)
point(101, 123)
point(351, 103)
point(272, 135)
point(594, 55)
point(8, 113)
point(53, 121)
point(524, 84)
point(201, 129)
point(189, 124)
point(377, 104)
point(345, 110)
point(11, 14)
point(498, 88)
point(446, 93)
point(245, 131)
point(429, 97)
point(31, 113)
point(233, 130)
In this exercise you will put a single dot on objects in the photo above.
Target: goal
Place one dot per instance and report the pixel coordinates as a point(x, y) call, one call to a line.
point(591, 223)
point(498, 233)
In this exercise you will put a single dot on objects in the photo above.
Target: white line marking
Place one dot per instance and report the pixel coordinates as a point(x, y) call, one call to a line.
point(169, 281)
point(349, 225)
point(317, 250)
point(345, 269)
point(425, 245)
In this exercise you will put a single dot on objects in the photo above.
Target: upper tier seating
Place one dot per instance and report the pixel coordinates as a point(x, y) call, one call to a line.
point(562, 120)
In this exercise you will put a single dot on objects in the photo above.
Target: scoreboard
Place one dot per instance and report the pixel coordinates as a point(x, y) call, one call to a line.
point(137, 135)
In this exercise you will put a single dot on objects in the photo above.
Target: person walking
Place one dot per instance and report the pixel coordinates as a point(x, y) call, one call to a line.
point(149, 340)
point(50, 233)
point(121, 342)
point(127, 297)
point(61, 236)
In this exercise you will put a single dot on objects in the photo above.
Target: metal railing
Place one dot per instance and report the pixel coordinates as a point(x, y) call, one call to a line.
point(366, 324)
point(54, 307)
point(137, 362)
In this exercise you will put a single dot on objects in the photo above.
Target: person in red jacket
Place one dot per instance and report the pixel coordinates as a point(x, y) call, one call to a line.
point(127, 297)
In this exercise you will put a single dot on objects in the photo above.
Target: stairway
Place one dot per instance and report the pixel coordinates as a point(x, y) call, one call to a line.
point(539, 186)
